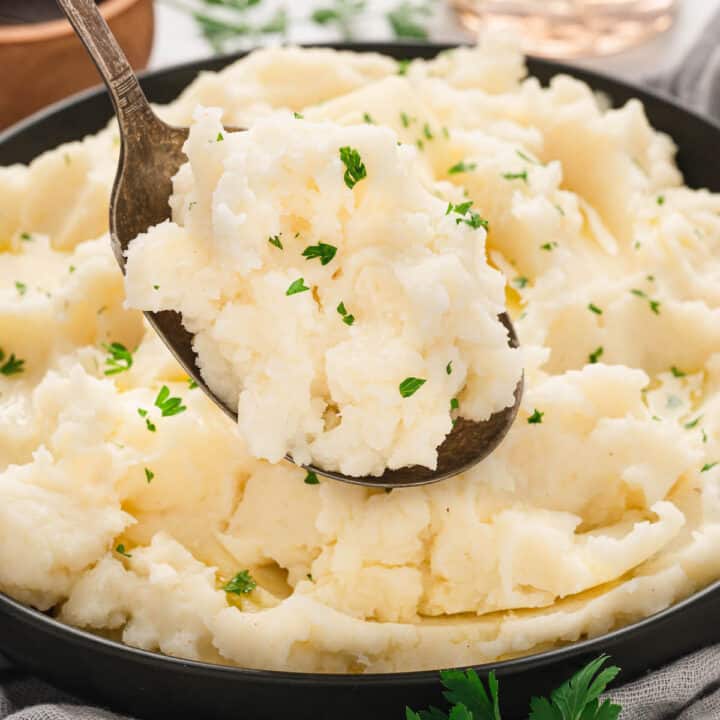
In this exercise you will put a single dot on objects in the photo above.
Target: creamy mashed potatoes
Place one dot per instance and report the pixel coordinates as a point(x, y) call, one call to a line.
point(340, 297)
point(602, 506)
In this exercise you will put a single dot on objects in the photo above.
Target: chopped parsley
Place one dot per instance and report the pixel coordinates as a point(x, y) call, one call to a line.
point(549, 245)
point(149, 475)
point(469, 217)
point(156, 287)
point(298, 116)
point(71, 269)
point(402, 66)
point(220, 137)
point(150, 425)
point(448, 368)
point(594, 308)
point(322, 250)
point(355, 169)
point(461, 167)
point(677, 372)
point(242, 584)
point(168, 405)
point(119, 360)
point(311, 478)
point(347, 318)
point(594, 356)
point(405, 119)
point(708, 466)
point(693, 423)
point(654, 304)
point(11, 366)
point(296, 286)
point(410, 385)
point(367, 117)
point(516, 176)
point(120, 550)
point(660, 199)
point(310, 577)
point(420, 144)
point(275, 240)
point(525, 157)
point(536, 417)
point(427, 132)
point(21, 287)
point(520, 282)
point(191, 384)
point(454, 404)
point(25, 236)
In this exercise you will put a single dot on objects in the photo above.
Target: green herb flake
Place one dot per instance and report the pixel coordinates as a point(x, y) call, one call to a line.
point(120, 550)
point(693, 423)
point(446, 133)
point(119, 360)
point(454, 404)
point(298, 116)
point(156, 287)
point(402, 66)
point(142, 412)
point(149, 475)
point(595, 309)
point(310, 577)
point(709, 466)
point(448, 368)
point(367, 117)
point(536, 417)
point(677, 372)
point(461, 167)
point(355, 169)
point(71, 269)
point(311, 478)
point(520, 282)
point(516, 176)
point(25, 236)
point(427, 132)
point(323, 251)
point(296, 286)
point(242, 584)
point(655, 306)
point(21, 287)
point(405, 119)
point(704, 436)
point(220, 137)
point(11, 366)
point(549, 245)
point(410, 385)
point(660, 200)
point(349, 319)
point(168, 405)
point(594, 356)
point(525, 157)
point(150, 425)
point(191, 384)
point(275, 240)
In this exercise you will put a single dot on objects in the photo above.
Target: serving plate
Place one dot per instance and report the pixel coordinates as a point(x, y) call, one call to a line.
point(150, 685)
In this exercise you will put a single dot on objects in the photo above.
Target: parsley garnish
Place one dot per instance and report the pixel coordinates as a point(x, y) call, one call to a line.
point(71, 269)
point(367, 117)
point(298, 116)
point(708, 466)
point(693, 423)
point(242, 584)
point(536, 417)
point(595, 309)
point(191, 384)
point(11, 366)
point(322, 250)
point(549, 245)
point(427, 132)
point(142, 412)
point(311, 478)
point(525, 157)
point(156, 287)
point(520, 282)
point(454, 404)
point(461, 167)
point(120, 550)
point(474, 220)
point(448, 368)
point(21, 287)
point(119, 360)
point(296, 286)
point(410, 385)
point(594, 356)
point(149, 475)
point(516, 176)
point(660, 200)
point(168, 405)
point(220, 137)
point(355, 170)
point(403, 66)
point(576, 699)
point(677, 372)
point(310, 577)
point(275, 240)
point(25, 236)
point(420, 144)
point(405, 119)
point(654, 304)
point(347, 318)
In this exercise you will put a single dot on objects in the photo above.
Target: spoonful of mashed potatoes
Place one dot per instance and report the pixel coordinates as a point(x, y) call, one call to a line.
point(316, 282)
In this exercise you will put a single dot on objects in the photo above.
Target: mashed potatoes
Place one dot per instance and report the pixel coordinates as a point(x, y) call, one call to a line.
point(602, 506)
point(339, 296)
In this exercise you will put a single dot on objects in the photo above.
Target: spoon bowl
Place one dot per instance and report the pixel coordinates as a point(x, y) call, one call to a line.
point(151, 152)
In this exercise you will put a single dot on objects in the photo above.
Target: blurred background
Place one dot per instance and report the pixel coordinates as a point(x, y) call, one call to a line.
point(42, 61)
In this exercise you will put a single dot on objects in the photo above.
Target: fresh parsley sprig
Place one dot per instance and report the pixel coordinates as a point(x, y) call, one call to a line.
point(355, 169)
point(323, 251)
point(576, 699)
point(242, 584)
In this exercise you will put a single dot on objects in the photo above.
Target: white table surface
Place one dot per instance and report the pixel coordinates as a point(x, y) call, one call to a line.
point(178, 38)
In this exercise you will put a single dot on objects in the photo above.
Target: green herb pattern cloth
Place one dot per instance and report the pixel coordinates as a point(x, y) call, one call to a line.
point(688, 689)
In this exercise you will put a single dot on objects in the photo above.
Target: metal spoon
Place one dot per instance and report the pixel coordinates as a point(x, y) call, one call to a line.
point(150, 154)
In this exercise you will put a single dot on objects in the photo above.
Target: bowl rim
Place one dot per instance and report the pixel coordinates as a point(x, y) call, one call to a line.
point(507, 667)
point(54, 29)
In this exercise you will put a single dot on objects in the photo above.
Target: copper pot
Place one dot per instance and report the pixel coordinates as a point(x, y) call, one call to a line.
point(44, 62)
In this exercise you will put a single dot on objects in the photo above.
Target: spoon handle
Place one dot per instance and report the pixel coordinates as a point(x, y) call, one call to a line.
point(131, 105)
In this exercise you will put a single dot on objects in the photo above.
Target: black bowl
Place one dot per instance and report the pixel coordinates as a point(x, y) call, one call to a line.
point(155, 686)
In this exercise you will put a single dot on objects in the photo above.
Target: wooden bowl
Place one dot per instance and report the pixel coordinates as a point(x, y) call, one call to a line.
point(44, 62)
